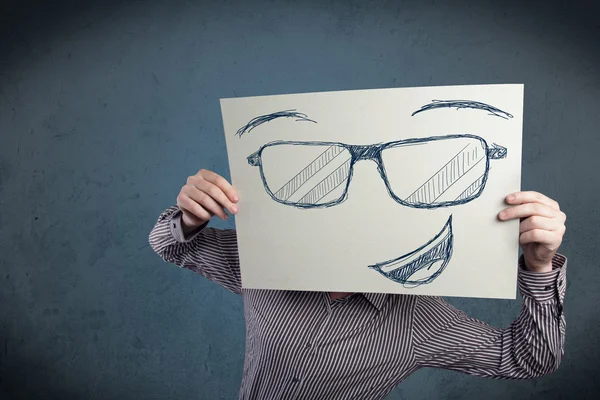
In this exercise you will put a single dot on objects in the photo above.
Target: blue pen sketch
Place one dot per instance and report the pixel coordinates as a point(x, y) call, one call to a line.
point(257, 121)
point(324, 177)
point(458, 104)
point(422, 265)
point(317, 174)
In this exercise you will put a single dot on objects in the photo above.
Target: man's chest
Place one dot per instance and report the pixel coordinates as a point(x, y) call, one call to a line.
point(307, 333)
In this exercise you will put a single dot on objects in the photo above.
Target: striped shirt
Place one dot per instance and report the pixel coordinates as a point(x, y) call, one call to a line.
point(302, 345)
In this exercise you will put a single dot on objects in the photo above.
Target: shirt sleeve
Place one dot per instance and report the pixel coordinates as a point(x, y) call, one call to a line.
point(212, 253)
point(532, 346)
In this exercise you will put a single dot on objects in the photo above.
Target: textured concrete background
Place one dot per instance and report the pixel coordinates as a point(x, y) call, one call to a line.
point(106, 107)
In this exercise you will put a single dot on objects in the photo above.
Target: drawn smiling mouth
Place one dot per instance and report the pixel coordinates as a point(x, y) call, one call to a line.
point(422, 265)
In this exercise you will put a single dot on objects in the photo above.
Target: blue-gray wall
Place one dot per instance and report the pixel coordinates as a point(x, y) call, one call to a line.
point(106, 107)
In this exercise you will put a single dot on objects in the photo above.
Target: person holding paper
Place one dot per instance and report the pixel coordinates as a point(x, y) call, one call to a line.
point(314, 345)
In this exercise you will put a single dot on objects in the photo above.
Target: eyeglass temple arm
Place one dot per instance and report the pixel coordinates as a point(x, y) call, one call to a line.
point(254, 159)
point(496, 152)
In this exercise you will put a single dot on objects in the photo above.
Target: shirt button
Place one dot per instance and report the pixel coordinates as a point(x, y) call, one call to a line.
point(307, 346)
point(295, 380)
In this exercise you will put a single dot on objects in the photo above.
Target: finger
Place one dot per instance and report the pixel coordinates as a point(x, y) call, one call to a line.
point(527, 210)
point(205, 200)
point(185, 203)
point(537, 222)
point(531, 197)
point(222, 183)
point(550, 240)
point(216, 194)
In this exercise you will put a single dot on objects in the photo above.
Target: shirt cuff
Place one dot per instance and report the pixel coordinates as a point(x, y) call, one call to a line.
point(544, 286)
point(176, 227)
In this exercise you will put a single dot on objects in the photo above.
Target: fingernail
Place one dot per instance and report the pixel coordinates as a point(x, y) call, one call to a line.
point(510, 197)
point(234, 209)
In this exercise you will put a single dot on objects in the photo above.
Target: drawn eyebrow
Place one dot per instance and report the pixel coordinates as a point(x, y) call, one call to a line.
point(261, 119)
point(458, 104)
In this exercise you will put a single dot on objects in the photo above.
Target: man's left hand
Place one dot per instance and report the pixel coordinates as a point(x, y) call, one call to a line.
point(541, 229)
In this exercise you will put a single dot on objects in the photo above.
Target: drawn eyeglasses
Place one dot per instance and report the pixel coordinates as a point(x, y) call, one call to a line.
point(428, 172)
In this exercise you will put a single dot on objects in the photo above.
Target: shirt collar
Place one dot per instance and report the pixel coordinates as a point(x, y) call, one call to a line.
point(376, 299)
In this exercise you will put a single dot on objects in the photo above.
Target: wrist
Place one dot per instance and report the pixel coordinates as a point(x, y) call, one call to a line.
point(537, 267)
point(189, 226)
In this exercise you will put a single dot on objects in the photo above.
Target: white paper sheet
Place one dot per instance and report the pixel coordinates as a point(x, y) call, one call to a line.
point(419, 215)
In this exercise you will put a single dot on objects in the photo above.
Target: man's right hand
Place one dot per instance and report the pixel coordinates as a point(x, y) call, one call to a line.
point(204, 195)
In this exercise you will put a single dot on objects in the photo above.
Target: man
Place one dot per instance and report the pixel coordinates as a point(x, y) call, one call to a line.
point(313, 345)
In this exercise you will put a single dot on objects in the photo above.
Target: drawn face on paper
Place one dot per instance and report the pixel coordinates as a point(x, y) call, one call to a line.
point(420, 174)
